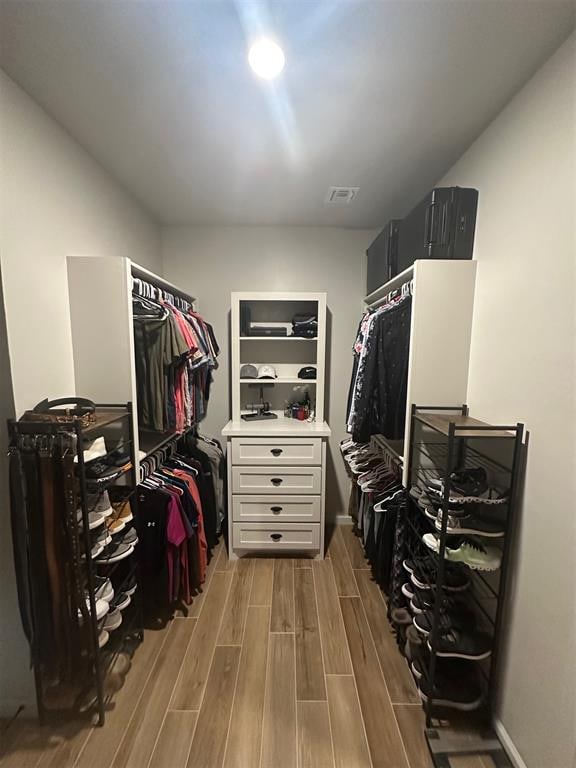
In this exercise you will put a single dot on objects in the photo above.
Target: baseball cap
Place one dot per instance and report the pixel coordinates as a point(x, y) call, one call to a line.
point(248, 372)
point(266, 372)
point(308, 372)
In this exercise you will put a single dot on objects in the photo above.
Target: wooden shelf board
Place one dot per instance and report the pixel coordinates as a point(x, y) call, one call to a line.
point(441, 423)
point(277, 338)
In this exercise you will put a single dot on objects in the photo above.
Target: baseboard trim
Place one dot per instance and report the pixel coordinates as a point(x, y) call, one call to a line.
point(343, 520)
point(508, 744)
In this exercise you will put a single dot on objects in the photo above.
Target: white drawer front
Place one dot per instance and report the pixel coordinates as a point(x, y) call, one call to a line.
point(262, 536)
point(276, 509)
point(271, 452)
point(276, 480)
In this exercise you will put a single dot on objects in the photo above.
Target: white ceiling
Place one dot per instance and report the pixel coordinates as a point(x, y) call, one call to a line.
point(380, 95)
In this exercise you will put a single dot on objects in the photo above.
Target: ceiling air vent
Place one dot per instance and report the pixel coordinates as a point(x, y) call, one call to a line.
point(341, 194)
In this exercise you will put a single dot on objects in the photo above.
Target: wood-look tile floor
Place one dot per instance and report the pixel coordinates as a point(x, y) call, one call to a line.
point(281, 663)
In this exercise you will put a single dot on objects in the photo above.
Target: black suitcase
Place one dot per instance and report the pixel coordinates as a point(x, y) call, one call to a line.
point(382, 256)
point(441, 226)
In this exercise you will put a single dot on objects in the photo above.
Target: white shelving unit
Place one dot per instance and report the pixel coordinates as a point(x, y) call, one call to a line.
point(100, 291)
point(277, 468)
point(440, 331)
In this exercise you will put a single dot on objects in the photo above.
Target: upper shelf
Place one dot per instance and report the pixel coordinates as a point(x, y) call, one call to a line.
point(279, 380)
point(277, 338)
point(465, 426)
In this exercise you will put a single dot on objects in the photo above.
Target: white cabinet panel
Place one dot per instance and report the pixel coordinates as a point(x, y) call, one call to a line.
point(276, 509)
point(272, 451)
point(261, 536)
point(277, 480)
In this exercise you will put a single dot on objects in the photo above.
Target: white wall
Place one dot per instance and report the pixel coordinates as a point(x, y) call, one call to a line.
point(55, 201)
point(211, 262)
point(522, 367)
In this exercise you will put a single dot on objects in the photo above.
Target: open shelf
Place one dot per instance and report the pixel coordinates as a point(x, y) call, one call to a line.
point(279, 380)
point(277, 338)
point(466, 426)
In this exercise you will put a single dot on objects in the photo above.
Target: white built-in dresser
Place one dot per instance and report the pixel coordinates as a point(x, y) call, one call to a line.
point(276, 468)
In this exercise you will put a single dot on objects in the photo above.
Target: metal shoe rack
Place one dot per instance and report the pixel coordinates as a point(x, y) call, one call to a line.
point(442, 441)
point(114, 422)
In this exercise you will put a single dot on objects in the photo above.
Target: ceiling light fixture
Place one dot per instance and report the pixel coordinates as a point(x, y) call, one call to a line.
point(266, 58)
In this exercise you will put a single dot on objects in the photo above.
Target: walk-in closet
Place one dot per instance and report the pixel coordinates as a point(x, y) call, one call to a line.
point(287, 415)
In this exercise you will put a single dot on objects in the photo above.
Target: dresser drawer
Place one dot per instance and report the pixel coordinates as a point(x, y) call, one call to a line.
point(276, 509)
point(269, 451)
point(262, 536)
point(277, 480)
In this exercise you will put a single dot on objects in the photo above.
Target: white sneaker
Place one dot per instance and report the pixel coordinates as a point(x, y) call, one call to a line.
point(113, 620)
point(471, 553)
point(102, 608)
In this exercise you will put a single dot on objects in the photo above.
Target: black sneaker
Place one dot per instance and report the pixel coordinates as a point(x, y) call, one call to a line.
point(470, 525)
point(455, 579)
point(452, 690)
point(425, 600)
point(461, 643)
point(453, 618)
point(466, 482)
point(98, 471)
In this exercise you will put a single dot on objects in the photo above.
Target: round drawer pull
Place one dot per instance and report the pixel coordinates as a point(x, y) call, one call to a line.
point(276, 451)
point(276, 480)
point(276, 510)
point(275, 536)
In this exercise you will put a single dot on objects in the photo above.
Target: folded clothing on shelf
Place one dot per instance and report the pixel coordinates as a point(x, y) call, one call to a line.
point(305, 325)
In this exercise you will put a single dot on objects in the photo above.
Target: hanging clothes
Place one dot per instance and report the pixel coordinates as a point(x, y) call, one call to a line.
point(175, 354)
point(179, 520)
point(378, 387)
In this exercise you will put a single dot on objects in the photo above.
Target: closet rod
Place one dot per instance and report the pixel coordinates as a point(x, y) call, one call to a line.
point(149, 277)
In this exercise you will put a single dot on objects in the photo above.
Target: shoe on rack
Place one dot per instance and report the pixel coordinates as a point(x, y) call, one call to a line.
point(455, 580)
point(454, 691)
point(95, 519)
point(444, 667)
point(470, 525)
point(466, 482)
point(103, 637)
point(96, 550)
point(401, 617)
point(414, 647)
point(121, 601)
point(131, 585)
point(98, 472)
point(114, 552)
point(425, 600)
point(113, 620)
point(472, 553)
point(103, 589)
point(119, 457)
point(101, 536)
point(460, 618)
point(408, 590)
point(99, 503)
point(461, 643)
point(130, 537)
point(433, 511)
point(102, 608)
point(489, 496)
